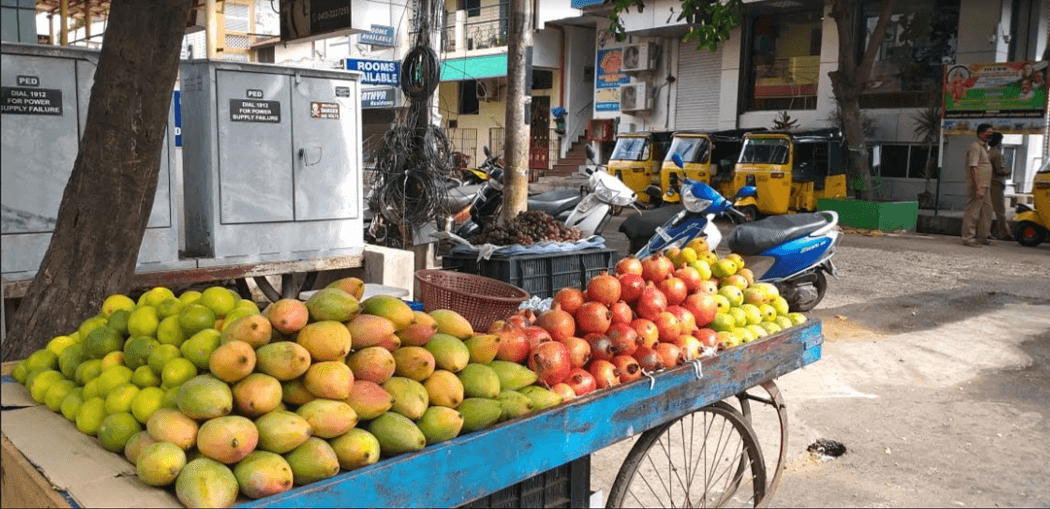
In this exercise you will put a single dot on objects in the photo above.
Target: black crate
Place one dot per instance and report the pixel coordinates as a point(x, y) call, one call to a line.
point(541, 275)
point(566, 486)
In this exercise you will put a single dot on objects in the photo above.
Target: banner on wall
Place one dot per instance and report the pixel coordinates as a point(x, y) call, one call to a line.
point(608, 77)
point(1011, 96)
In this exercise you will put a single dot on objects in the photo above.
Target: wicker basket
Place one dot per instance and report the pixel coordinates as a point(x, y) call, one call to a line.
point(480, 300)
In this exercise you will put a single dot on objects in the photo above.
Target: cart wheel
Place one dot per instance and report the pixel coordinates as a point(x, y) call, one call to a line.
point(770, 432)
point(707, 458)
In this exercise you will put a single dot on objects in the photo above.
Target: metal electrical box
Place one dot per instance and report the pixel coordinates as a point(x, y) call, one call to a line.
point(272, 161)
point(44, 104)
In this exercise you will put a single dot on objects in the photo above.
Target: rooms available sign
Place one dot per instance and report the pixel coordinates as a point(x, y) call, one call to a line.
point(376, 72)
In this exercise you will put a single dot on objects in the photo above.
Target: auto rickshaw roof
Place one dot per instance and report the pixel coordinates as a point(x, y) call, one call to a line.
point(808, 136)
point(655, 135)
point(723, 135)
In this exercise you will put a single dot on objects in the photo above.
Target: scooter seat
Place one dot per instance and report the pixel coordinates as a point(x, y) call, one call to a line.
point(555, 202)
point(644, 224)
point(754, 238)
point(461, 196)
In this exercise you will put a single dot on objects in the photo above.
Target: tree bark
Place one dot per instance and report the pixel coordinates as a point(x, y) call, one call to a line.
point(107, 202)
point(849, 81)
point(516, 146)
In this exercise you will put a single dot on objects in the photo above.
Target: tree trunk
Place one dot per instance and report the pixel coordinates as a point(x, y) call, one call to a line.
point(849, 81)
point(107, 201)
point(516, 146)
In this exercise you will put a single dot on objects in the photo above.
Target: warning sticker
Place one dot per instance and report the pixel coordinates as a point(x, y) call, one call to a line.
point(324, 110)
point(255, 111)
point(30, 101)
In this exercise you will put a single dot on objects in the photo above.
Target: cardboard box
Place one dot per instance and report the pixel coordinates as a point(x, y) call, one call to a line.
point(47, 462)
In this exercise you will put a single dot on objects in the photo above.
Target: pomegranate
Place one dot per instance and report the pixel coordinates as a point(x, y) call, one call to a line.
point(564, 391)
point(621, 312)
point(690, 346)
point(651, 303)
point(536, 335)
point(670, 354)
point(579, 351)
point(628, 265)
point(559, 323)
point(674, 289)
point(708, 337)
point(570, 299)
point(708, 287)
point(551, 362)
point(513, 344)
point(656, 267)
point(605, 373)
point(690, 276)
point(685, 318)
point(648, 359)
point(603, 288)
point(624, 338)
point(593, 317)
point(520, 320)
point(647, 331)
point(631, 286)
point(580, 381)
point(629, 368)
point(668, 326)
point(602, 348)
point(702, 306)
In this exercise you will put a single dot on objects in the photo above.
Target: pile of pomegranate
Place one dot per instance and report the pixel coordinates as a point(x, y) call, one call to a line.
point(653, 313)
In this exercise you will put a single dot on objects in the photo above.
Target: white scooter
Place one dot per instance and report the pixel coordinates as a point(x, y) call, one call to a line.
point(606, 196)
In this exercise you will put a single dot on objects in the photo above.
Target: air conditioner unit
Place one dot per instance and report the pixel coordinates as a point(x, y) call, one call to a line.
point(488, 90)
point(634, 97)
point(639, 57)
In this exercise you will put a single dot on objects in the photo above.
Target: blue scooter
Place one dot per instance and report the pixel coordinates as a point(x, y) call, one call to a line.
point(791, 251)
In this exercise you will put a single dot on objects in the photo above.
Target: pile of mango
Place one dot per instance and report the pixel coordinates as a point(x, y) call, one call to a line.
point(206, 393)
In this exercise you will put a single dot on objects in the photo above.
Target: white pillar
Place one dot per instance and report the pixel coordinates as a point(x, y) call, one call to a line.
point(461, 30)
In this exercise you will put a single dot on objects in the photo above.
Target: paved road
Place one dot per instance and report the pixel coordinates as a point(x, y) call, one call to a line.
point(935, 376)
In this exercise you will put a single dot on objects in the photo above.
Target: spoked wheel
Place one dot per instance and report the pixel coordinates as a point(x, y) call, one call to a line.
point(709, 458)
point(768, 419)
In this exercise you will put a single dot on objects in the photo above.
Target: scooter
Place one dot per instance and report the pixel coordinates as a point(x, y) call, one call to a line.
point(791, 251)
point(589, 211)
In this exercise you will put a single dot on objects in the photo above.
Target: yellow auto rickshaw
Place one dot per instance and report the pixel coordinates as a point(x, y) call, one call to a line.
point(636, 160)
point(1031, 225)
point(790, 171)
point(708, 157)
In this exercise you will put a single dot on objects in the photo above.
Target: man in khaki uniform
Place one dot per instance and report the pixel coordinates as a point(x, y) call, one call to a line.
point(977, 219)
point(998, 189)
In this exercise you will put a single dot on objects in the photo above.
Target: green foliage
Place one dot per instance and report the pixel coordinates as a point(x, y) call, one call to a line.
point(709, 20)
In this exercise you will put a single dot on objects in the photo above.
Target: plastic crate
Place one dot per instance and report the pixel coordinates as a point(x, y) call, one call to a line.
point(566, 486)
point(541, 275)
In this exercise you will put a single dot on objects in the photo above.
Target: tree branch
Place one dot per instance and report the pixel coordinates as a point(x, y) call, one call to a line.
point(877, 35)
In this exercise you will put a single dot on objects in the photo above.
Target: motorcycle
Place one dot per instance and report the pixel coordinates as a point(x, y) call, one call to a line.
point(588, 210)
point(791, 251)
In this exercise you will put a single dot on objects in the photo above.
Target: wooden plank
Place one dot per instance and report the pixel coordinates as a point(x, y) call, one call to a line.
point(20, 483)
point(481, 463)
point(17, 289)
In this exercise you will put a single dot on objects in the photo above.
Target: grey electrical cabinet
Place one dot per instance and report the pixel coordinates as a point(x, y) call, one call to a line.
point(272, 162)
point(44, 104)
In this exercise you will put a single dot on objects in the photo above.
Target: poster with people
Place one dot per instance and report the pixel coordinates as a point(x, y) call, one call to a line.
point(608, 77)
point(1009, 95)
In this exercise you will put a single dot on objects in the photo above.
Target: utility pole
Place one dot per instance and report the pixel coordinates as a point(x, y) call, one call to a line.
point(516, 146)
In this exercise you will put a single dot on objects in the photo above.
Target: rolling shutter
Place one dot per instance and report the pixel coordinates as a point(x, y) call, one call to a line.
point(699, 88)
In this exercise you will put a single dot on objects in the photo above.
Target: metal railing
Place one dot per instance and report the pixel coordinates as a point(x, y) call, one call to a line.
point(498, 135)
point(472, 29)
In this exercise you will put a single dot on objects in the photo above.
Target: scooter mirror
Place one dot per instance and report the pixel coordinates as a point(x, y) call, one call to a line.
point(678, 161)
point(488, 153)
point(589, 151)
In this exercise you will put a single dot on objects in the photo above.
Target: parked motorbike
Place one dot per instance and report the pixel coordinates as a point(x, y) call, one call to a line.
point(791, 251)
point(588, 210)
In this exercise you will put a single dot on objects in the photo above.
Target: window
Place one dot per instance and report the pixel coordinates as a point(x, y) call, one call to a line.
point(692, 150)
point(473, 7)
point(266, 55)
point(920, 39)
point(901, 160)
point(765, 151)
point(783, 58)
point(631, 149)
point(468, 97)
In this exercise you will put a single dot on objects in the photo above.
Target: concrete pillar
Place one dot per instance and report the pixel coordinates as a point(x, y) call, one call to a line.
point(461, 31)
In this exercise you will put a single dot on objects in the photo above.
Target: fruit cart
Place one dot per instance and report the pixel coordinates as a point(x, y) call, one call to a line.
point(682, 402)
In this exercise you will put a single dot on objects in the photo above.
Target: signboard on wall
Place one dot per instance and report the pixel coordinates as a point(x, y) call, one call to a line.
point(608, 77)
point(1011, 96)
point(303, 20)
point(380, 35)
point(380, 97)
point(376, 72)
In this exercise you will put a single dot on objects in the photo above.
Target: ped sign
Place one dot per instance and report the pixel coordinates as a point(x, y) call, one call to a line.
point(376, 72)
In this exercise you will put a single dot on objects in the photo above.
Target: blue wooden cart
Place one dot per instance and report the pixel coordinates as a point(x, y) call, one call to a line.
point(695, 449)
